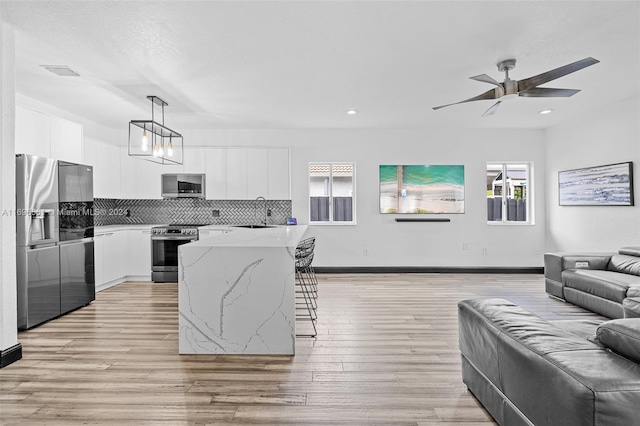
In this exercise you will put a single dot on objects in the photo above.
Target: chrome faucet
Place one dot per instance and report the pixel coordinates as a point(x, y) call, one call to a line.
point(255, 209)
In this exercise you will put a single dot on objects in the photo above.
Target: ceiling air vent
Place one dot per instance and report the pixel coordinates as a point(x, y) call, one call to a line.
point(61, 70)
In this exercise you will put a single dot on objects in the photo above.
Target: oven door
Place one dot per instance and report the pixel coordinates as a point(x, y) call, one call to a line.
point(164, 252)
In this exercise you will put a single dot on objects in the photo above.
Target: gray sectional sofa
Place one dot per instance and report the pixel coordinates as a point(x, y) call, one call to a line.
point(528, 371)
point(605, 283)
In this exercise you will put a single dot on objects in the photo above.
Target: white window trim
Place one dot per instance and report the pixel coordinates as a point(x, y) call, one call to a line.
point(353, 196)
point(530, 196)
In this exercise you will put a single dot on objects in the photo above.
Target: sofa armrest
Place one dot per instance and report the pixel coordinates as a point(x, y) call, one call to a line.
point(555, 263)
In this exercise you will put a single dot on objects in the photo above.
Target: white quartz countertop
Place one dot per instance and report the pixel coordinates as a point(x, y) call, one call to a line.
point(121, 227)
point(278, 236)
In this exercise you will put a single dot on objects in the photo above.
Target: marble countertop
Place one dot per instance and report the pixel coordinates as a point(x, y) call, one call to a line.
point(230, 236)
point(121, 227)
point(278, 236)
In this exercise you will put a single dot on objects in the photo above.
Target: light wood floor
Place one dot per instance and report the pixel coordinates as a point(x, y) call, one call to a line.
point(386, 353)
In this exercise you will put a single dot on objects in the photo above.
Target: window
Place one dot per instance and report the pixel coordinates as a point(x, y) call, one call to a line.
point(509, 193)
point(331, 193)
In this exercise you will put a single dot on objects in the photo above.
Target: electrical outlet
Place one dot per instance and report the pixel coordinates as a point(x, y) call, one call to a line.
point(365, 252)
point(484, 250)
point(465, 246)
point(215, 213)
point(268, 212)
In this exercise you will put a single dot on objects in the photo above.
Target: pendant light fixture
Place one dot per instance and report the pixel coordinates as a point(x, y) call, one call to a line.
point(166, 145)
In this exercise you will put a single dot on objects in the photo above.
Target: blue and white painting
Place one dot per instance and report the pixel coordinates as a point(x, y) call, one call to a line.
point(609, 185)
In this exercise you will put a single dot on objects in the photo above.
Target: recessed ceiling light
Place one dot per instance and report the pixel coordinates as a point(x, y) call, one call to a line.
point(352, 111)
point(546, 111)
point(61, 70)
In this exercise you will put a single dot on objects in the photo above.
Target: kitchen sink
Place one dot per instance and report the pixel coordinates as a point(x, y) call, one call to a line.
point(254, 226)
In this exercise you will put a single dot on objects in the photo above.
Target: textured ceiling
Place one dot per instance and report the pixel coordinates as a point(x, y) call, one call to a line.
point(302, 64)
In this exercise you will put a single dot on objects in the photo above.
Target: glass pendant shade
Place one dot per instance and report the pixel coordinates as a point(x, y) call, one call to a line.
point(166, 144)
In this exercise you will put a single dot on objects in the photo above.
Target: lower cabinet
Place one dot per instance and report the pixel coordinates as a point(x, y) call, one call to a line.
point(111, 257)
point(140, 253)
point(116, 249)
point(98, 259)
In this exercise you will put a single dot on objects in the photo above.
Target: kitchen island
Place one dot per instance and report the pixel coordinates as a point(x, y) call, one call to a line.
point(236, 292)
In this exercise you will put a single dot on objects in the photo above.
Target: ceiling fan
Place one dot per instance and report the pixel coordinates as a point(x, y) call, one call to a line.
point(528, 87)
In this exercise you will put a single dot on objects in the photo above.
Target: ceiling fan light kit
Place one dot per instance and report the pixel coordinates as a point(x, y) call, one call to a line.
point(528, 87)
point(153, 141)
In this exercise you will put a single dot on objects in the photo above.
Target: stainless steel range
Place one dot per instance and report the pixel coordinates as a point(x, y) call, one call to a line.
point(165, 241)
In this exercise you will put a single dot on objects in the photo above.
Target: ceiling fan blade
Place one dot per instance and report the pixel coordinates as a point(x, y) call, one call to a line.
point(548, 92)
point(536, 80)
point(492, 110)
point(485, 79)
point(489, 94)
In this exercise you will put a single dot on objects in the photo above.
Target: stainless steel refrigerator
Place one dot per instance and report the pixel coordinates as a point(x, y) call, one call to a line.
point(54, 268)
point(75, 208)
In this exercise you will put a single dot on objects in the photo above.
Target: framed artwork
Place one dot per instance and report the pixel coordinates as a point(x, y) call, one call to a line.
point(608, 185)
point(421, 189)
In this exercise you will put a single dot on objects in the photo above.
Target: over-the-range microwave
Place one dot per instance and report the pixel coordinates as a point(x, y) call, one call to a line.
point(183, 185)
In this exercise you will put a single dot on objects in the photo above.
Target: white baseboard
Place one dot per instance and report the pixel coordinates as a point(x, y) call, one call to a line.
point(117, 281)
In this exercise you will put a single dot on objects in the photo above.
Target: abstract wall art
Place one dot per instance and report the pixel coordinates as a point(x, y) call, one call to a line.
point(421, 189)
point(608, 185)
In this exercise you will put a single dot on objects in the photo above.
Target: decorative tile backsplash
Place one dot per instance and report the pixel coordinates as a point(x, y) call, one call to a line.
point(189, 211)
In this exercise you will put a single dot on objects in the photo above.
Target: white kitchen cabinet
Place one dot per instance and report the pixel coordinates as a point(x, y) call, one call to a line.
point(278, 174)
point(194, 160)
point(66, 140)
point(33, 132)
point(216, 170)
point(115, 255)
point(106, 171)
point(140, 253)
point(257, 171)
point(128, 182)
point(237, 174)
point(88, 151)
point(148, 175)
point(98, 259)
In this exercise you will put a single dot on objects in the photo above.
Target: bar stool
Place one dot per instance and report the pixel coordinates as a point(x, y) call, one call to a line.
point(306, 285)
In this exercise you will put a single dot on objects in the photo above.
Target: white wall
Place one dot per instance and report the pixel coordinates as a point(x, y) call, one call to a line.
point(609, 135)
point(8, 304)
point(408, 244)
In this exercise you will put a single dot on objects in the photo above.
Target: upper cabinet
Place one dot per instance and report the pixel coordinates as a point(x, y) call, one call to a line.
point(278, 173)
point(66, 140)
point(216, 173)
point(148, 179)
point(128, 182)
point(257, 172)
point(106, 171)
point(194, 161)
point(237, 174)
point(33, 132)
point(49, 136)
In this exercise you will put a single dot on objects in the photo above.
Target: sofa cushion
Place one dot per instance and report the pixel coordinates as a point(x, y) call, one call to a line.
point(631, 304)
point(551, 376)
point(625, 264)
point(606, 284)
point(621, 336)
point(631, 251)
point(583, 328)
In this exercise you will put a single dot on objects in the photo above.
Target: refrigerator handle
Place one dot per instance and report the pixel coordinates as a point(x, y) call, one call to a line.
point(41, 246)
point(82, 240)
